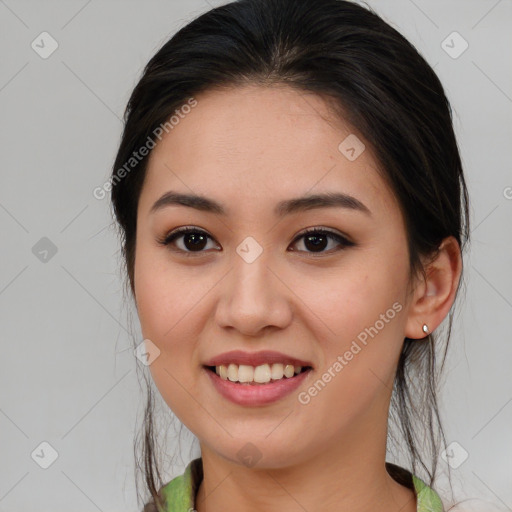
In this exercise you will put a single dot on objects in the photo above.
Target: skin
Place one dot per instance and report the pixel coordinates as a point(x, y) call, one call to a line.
point(249, 148)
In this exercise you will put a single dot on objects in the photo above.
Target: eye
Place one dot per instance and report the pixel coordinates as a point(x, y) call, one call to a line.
point(193, 239)
point(317, 239)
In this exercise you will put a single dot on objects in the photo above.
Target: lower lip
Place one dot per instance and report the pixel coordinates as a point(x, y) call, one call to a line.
point(256, 394)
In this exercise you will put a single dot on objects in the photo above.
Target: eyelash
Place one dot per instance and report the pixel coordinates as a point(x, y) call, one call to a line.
point(173, 235)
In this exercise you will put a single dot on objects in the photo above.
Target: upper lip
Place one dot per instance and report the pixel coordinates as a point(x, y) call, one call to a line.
point(255, 358)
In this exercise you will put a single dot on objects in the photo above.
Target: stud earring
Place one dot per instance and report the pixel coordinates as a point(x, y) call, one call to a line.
point(425, 328)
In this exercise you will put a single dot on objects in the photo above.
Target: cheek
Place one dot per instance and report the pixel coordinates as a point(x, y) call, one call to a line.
point(360, 317)
point(360, 335)
point(350, 300)
point(166, 320)
point(167, 296)
point(171, 309)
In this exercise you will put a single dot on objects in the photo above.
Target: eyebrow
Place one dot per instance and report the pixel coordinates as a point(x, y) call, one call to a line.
point(299, 204)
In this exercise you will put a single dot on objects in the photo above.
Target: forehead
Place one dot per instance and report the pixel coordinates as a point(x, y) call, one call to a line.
point(252, 144)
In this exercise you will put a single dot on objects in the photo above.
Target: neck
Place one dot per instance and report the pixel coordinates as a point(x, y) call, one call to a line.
point(351, 476)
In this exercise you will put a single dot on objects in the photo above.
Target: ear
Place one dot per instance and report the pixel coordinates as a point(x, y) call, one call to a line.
point(433, 297)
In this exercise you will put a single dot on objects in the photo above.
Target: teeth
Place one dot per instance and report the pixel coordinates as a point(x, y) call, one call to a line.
point(245, 373)
point(233, 372)
point(260, 374)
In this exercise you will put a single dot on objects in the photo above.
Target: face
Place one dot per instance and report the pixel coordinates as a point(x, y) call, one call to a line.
point(246, 277)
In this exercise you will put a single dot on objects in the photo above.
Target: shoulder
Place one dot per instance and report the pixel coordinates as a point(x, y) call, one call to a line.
point(179, 494)
point(427, 498)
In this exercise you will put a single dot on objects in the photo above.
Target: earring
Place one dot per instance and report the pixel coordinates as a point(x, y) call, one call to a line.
point(425, 328)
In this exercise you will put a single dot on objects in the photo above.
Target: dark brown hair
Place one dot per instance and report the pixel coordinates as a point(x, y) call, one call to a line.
point(383, 87)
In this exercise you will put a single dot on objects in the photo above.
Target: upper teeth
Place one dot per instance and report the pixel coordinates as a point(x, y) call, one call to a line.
point(260, 374)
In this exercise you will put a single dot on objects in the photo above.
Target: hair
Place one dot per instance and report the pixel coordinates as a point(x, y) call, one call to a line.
point(379, 83)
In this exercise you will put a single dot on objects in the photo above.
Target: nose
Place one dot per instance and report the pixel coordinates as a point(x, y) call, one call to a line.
point(253, 298)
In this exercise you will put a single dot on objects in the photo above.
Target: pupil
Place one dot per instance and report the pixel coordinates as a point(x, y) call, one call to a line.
point(316, 245)
point(197, 239)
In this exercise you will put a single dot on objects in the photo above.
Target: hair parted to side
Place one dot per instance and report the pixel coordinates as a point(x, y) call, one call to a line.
point(384, 88)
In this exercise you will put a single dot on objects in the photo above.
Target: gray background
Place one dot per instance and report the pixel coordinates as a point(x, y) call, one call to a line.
point(68, 374)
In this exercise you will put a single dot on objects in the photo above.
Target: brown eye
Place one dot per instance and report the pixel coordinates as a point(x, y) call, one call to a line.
point(317, 240)
point(187, 239)
point(191, 240)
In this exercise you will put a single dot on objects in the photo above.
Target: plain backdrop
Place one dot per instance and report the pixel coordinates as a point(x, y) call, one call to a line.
point(68, 374)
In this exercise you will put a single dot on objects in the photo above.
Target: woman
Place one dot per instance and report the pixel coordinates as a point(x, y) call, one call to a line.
point(292, 210)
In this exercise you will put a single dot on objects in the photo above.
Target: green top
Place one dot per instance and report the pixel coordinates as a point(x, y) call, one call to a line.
point(180, 492)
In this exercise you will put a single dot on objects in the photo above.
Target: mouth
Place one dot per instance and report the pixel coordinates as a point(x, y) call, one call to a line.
point(247, 375)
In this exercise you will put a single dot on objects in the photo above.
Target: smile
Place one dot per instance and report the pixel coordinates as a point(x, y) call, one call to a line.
point(253, 393)
point(261, 374)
